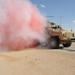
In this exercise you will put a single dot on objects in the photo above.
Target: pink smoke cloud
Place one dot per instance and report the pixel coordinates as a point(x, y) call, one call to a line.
point(21, 25)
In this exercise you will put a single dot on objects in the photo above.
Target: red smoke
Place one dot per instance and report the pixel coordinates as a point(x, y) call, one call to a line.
point(21, 25)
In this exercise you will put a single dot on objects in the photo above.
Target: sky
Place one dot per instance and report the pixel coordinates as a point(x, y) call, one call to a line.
point(58, 8)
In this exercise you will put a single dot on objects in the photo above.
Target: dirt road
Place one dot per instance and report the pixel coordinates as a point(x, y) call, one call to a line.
point(68, 49)
point(39, 62)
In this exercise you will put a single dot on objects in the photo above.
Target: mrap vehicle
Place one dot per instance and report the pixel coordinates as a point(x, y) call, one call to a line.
point(57, 35)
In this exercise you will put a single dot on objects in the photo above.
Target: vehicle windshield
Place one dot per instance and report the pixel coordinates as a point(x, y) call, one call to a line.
point(57, 28)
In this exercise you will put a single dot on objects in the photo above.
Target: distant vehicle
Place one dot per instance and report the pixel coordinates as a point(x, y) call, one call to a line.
point(57, 35)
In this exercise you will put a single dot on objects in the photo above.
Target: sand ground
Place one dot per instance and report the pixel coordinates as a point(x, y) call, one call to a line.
point(38, 62)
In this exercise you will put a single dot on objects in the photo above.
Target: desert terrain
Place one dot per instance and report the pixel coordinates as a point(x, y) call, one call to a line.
point(38, 62)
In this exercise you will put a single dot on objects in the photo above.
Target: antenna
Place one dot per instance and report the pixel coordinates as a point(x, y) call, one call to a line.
point(59, 17)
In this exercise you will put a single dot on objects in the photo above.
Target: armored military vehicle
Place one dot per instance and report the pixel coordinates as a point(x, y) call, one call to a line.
point(57, 36)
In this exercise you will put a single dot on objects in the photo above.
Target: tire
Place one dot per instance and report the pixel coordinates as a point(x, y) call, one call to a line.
point(53, 43)
point(67, 44)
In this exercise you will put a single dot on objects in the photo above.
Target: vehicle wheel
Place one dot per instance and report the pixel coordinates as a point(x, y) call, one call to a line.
point(67, 44)
point(53, 43)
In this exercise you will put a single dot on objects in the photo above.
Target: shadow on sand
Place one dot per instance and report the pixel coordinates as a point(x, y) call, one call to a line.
point(60, 48)
point(67, 49)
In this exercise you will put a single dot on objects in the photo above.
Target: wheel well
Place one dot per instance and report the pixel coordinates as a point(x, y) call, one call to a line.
point(56, 37)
